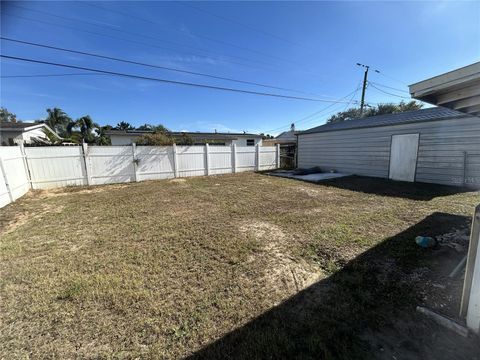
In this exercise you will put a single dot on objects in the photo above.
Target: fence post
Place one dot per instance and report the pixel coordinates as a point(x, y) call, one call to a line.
point(4, 174)
point(257, 157)
point(234, 158)
point(207, 158)
point(86, 161)
point(135, 165)
point(277, 153)
point(175, 160)
point(25, 165)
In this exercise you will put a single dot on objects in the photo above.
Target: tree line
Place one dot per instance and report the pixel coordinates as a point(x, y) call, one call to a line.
point(380, 109)
point(84, 129)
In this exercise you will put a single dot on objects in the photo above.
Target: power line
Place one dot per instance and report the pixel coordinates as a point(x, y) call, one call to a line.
point(47, 75)
point(351, 99)
point(388, 93)
point(388, 87)
point(165, 80)
point(394, 79)
point(238, 23)
point(130, 40)
point(130, 15)
point(313, 114)
point(113, 28)
point(147, 65)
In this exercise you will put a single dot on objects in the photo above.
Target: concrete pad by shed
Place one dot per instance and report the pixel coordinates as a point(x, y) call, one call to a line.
point(315, 178)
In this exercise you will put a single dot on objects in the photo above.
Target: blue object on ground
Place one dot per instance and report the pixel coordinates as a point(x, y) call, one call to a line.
point(425, 241)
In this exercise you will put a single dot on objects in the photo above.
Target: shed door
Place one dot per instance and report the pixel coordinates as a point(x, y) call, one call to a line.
point(403, 157)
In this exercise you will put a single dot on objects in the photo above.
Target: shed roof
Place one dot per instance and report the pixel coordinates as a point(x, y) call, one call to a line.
point(430, 114)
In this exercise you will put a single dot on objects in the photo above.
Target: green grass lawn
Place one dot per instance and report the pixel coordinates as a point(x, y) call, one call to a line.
point(168, 269)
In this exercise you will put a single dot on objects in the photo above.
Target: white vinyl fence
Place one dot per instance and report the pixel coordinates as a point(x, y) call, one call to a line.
point(58, 166)
point(14, 181)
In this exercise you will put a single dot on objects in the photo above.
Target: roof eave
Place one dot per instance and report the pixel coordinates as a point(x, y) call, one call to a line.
point(457, 90)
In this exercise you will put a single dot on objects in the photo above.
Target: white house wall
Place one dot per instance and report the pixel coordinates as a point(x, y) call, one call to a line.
point(441, 151)
point(122, 139)
point(242, 141)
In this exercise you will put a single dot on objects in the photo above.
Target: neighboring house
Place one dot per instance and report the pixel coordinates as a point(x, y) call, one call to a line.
point(127, 137)
point(24, 133)
point(433, 145)
point(288, 147)
point(286, 137)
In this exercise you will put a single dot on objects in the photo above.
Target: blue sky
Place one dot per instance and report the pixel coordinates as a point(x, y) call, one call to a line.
point(311, 47)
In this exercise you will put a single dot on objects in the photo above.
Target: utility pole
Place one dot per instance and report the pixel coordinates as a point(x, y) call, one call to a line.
point(365, 77)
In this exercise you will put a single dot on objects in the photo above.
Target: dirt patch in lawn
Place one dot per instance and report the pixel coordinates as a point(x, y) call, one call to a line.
point(234, 266)
point(283, 273)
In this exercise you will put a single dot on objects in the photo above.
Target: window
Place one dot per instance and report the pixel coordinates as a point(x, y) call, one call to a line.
point(250, 142)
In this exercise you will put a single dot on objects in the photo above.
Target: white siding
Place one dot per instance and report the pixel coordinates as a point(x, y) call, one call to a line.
point(366, 151)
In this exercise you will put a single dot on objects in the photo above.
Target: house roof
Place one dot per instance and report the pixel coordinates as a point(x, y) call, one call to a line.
point(25, 126)
point(216, 135)
point(18, 125)
point(458, 89)
point(430, 114)
point(287, 136)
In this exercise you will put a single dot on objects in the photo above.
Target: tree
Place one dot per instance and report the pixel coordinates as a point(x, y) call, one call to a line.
point(58, 121)
point(156, 139)
point(380, 109)
point(124, 126)
point(102, 138)
point(164, 139)
point(155, 128)
point(144, 127)
point(7, 116)
point(84, 126)
point(349, 114)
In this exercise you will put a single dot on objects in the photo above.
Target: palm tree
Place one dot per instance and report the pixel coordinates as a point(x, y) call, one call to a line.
point(57, 120)
point(85, 125)
point(124, 126)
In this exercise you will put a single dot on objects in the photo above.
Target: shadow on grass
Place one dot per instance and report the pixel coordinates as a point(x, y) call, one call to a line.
point(329, 319)
point(401, 189)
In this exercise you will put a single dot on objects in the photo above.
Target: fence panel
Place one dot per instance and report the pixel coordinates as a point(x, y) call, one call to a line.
point(59, 166)
point(4, 194)
point(268, 158)
point(15, 173)
point(191, 161)
point(56, 166)
point(220, 160)
point(155, 162)
point(246, 158)
point(110, 164)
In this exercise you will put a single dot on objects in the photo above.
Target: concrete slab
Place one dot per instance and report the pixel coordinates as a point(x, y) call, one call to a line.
point(315, 178)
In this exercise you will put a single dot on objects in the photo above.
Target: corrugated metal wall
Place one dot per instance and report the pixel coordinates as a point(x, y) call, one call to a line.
point(448, 152)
